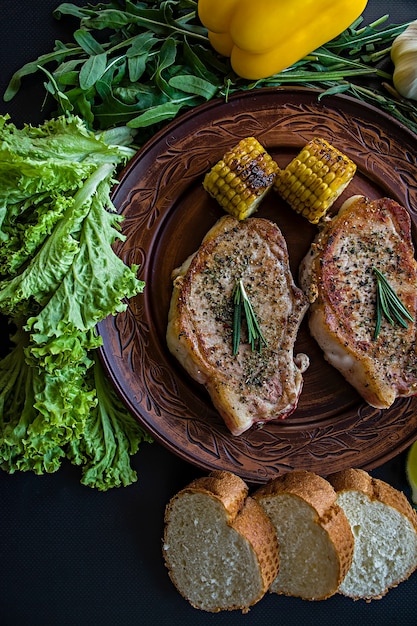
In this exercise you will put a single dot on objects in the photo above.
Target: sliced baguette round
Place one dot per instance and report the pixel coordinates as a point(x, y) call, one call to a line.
point(316, 542)
point(384, 526)
point(219, 546)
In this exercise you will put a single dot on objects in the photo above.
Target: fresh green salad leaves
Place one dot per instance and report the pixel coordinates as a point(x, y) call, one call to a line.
point(59, 276)
point(153, 61)
point(142, 62)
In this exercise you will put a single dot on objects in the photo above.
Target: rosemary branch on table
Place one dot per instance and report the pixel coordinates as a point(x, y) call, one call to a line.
point(388, 304)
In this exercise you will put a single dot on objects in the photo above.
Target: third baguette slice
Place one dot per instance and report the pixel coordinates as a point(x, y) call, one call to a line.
point(315, 538)
point(385, 529)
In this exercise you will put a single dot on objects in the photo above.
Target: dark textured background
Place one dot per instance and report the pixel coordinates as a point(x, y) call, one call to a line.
point(71, 556)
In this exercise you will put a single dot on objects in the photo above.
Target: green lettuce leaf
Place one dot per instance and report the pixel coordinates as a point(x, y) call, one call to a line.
point(41, 170)
point(28, 440)
point(59, 277)
point(97, 281)
point(111, 436)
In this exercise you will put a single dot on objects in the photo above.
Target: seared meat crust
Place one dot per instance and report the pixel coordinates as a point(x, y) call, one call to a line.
point(252, 386)
point(338, 275)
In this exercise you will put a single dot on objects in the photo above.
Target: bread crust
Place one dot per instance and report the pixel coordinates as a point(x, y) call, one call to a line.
point(224, 486)
point(358, 480)
point(321, 496)
point(245, 516)
point(375, 489)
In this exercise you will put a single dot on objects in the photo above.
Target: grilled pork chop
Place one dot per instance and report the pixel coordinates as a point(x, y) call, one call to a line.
point(339, 277)
point(251, 387)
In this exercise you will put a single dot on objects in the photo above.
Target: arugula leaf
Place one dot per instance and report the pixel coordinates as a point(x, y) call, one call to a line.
point(97, 77)
point(157, 114)
point(92, 70)
point(193, 84)
point(87, 42)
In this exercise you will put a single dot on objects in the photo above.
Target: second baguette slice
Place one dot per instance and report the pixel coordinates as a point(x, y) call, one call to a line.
point(315, 538)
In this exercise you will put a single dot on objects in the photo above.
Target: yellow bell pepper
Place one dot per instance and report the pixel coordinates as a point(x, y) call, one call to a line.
point(264, 37)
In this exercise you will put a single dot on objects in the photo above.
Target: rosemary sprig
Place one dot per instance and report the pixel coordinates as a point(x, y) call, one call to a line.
point(241, 301)
point(388, 304)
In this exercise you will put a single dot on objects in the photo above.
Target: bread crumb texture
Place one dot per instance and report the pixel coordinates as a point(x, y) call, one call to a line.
point(219, 556)
point(316, 542)
point(300, 535)
point(384, 526)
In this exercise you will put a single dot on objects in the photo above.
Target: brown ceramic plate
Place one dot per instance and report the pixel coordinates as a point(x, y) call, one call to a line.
point(167, 213)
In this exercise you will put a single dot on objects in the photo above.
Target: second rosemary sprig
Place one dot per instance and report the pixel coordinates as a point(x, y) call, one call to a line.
point(388, 304)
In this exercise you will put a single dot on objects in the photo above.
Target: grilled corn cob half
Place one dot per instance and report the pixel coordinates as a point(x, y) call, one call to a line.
point(314, 179)
point(241, 178)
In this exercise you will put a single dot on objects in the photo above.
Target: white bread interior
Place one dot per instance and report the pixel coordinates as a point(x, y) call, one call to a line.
point(384, 526)
point(299, 535)
point(316, 543)
point(219, 546)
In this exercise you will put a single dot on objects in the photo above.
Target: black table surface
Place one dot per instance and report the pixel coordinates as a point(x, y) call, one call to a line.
point(73, 556)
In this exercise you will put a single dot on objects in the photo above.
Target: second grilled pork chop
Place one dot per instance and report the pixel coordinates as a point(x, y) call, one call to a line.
point(338, 275)
point(252, 386)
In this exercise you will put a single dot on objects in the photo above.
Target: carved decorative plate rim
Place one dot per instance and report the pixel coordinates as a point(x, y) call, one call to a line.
point(166, 214)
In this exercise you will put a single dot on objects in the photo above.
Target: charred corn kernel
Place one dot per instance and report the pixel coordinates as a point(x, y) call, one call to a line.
point(314, 179)
point(241, 178)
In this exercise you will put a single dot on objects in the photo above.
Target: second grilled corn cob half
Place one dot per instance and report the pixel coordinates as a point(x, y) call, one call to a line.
point(315, 178)
point(241, 178)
